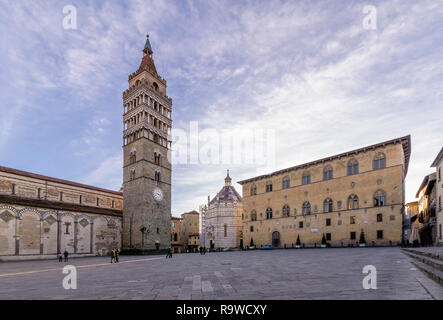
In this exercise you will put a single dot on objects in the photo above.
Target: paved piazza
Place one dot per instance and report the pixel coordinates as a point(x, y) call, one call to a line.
point(277, 274)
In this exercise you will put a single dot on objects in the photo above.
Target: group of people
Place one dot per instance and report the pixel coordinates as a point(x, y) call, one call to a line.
point(115, 255)
point(64, 255)
point(202, 250)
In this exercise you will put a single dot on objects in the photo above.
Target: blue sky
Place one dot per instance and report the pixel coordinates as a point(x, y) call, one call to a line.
point(306, 69)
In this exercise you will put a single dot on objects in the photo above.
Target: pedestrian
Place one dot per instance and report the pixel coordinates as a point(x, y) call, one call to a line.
point(112, 255)
point(116, 255)
point(169, 253)
point(60, 257)
point(66, 254)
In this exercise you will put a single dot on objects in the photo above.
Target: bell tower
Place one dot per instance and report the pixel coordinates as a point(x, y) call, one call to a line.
point(146, 170)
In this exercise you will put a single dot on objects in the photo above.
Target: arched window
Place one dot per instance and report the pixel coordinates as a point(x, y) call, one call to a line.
point(253, 215)
point(253, 190)
point(133, 156)
point(157, 176)
point(306, 178)
point(352, 167)
point(285, 184)
point(352, 202)
point(327, 173)
point(155, 85)
point(379, 198)
point(306, 208)
point(379, 161)
point(286, 211)
point(158, 159)
point(268, 186)
point(269, 213)
point(327, 205)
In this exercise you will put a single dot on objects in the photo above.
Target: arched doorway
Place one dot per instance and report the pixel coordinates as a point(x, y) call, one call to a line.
point(276, 239)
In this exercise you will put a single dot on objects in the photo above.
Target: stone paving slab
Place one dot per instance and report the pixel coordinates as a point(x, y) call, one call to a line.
point(275, 274)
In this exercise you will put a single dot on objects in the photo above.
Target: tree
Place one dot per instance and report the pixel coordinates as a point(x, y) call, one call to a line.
point(323, 240)
point(362, 237)
point(298, 240)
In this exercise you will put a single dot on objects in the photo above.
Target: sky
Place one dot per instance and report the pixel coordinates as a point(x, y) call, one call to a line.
point(316, 77)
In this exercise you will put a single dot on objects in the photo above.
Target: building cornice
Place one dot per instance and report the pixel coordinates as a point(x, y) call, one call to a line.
point(57, 205)
point(405, 141)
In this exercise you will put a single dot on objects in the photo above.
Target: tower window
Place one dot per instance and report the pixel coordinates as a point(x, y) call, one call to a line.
point(80, 199)
point(13, 188)
point(61, 196)
point(39, 193)
point(225, 227)
point(98, 203)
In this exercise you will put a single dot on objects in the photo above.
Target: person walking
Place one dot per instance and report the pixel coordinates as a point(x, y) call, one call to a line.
point(60, 257)
point(169, 253)
point(116, 255)
point(66, 254)
point(112, 255)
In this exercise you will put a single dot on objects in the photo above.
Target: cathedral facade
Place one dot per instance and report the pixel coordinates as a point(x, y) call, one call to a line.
point(222, 219)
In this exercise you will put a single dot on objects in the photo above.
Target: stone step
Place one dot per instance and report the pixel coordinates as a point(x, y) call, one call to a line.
point(434, 263)
point(434, 255)
point(431, 272)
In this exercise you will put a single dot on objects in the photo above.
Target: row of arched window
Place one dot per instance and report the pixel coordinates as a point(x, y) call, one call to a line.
point(379, 162)
point(379, 199)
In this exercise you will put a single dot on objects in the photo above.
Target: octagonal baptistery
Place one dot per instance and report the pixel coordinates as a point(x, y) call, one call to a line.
point(221, 219)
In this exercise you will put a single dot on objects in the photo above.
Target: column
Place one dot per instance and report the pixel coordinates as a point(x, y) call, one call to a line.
point(91, 249)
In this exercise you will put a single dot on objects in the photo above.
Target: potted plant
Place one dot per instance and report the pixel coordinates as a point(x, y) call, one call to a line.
point(297, 244)
point(362, 241)
point(323, 241)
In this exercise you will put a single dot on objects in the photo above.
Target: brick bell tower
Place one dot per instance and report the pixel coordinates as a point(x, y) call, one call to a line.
point(146, 169)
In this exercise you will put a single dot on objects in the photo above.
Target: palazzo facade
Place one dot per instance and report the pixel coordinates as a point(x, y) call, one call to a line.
point(340, 197)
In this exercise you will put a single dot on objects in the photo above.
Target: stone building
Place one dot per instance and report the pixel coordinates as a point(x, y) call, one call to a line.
point(438, 165)
point(41, 216)
point(146, 170)
point(222, 218)
point(409, 219)
point(426, 207)
point(190, 231)
point(176, 235)
point(340, 196)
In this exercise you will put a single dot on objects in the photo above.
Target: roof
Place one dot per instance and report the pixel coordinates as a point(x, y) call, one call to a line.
point(147, 46)
point(227, 193)
point(405, 141)
point(438, 158)
point(426, 181)
point(46, 178)
point(191, 212)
